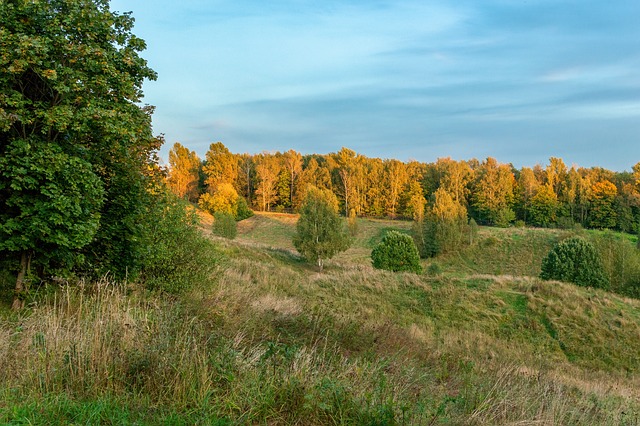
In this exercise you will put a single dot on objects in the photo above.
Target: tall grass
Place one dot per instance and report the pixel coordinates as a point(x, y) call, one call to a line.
point(96, 352)
point(269, 340)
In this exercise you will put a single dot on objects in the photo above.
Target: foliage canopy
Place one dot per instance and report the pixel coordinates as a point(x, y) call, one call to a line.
point(77, 151)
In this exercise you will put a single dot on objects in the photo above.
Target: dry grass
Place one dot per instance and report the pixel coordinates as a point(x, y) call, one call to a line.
point(274, 341)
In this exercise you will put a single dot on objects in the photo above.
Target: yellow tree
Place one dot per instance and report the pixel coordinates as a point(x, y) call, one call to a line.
point(543, 206)
point(184, 172)
point(267, 170)
point(445, 225)
point(527, 187)
point(395, 179)
point(493, 192)
point(346, 169)
point(602, 214)
point(416, 203)
point(293, 164)
point(221, 166)
point(555, 174)
point(454, 176)
point(446, 208)
point(636, 175)
point(374, 197)
point(314, 174)
point(223, 200)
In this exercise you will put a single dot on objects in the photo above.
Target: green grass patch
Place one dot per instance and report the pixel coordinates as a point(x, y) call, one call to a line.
point(270, 340)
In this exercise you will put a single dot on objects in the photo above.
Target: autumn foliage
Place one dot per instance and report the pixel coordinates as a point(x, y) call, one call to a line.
point(489, 192)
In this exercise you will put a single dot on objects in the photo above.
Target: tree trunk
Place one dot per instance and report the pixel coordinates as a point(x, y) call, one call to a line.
point(18, 302)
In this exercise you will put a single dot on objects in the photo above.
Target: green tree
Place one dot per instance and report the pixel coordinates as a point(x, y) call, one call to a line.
point(70, 84)
point(444, 227)
point(543, 206)
point(241, 209)
point(51, 205)
point(178, 255)
point(577, 261)
point(283, 189)
point(396, 252)
point(320, 232)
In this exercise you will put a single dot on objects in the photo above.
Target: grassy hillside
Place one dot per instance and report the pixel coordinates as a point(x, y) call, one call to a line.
point(272, 341)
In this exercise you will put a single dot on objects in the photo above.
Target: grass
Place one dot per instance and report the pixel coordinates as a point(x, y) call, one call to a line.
point(273, 341)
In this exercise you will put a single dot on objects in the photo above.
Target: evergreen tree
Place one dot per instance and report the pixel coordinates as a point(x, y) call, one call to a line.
point(396, 252)
point(577, 261)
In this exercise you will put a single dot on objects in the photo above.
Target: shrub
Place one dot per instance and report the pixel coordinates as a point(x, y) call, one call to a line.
point(397, 252)
point(224, 225)
point(577, 261)
point(242, 210)
point(178, 256)
point(503, 217)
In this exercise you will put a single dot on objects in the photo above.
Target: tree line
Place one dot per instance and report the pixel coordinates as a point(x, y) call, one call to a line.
point(489, 192)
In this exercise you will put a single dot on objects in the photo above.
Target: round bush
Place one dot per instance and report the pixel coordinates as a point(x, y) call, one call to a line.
point(396, 252)
point(577, 261)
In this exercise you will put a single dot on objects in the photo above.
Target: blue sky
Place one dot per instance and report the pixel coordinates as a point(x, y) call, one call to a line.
point(520, 81)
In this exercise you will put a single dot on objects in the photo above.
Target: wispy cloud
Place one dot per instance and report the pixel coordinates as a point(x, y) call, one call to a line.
point(415, 79)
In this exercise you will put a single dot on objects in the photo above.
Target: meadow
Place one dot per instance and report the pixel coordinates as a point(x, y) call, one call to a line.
point(268, 339)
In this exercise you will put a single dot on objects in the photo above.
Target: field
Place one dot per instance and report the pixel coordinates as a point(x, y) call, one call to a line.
point(477, 339)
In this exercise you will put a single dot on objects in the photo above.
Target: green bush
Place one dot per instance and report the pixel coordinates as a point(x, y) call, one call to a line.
point(397, 252)
point(224, 225)
point(177, 256)
point(577, 261)
point(242, 210)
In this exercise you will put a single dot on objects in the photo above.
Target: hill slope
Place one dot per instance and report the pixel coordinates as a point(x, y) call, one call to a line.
point(474, 342)
point(272, 341)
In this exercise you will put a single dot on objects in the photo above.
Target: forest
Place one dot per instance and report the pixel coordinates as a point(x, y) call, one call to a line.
point(489, 192)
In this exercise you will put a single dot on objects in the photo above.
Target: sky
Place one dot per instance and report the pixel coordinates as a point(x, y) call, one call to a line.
point(517, 80)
